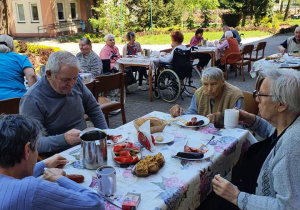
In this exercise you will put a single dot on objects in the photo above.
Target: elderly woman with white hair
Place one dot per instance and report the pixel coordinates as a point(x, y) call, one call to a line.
point(110, 49)
point(13, 69)
point(277, 183)
point(229, 45)
point(215, 95)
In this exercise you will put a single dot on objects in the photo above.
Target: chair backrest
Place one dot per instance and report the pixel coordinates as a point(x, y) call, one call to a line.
point(91, 87)
point(251, 105)
point(260, 46)
point(181, 62)
point(106, 65)
point(10, 106)
point(247, 50)
point(104, 83)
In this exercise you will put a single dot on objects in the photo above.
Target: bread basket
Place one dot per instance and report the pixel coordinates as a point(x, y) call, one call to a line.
point(156, 124)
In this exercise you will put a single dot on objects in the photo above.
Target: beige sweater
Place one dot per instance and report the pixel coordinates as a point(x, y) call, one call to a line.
point(228, 99)
point(292, 46)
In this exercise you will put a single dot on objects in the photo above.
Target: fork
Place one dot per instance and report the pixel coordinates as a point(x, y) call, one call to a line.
point(210, 140)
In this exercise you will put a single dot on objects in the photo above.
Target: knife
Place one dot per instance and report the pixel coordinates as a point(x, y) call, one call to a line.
point(112, 201)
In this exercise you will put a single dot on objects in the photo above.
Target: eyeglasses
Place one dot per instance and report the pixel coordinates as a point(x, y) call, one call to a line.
point(258, 94)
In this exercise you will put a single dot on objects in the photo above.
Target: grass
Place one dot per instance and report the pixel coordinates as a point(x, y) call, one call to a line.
point(165, 38)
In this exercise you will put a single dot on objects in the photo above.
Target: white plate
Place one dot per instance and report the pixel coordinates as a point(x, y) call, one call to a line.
point(116, 132)
point(208, 154)
point(188, 118)
point(139, 155)
point(167, 137)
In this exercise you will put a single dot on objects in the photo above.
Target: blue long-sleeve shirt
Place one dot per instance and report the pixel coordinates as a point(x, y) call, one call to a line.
point(35, 193)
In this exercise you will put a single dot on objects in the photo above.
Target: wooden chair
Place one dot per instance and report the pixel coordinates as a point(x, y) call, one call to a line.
point(91, 87)
point(105, 83)
point(246, 52)
point(250, 103)
point(259, 47)
point(10, 106)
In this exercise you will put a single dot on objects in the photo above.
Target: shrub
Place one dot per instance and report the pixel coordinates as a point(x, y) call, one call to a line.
point(231, 19)
point(44, 55)
point(22, 46)
point(32, 59)
point(288, 30)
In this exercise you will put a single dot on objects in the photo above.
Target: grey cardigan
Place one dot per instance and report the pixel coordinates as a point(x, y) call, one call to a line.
point(278, 181)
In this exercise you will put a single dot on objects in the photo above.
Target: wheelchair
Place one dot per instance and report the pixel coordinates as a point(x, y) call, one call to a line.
point(177, 77)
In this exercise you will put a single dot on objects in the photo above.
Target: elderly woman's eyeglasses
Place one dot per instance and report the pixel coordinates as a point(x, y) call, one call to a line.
point(259, 94)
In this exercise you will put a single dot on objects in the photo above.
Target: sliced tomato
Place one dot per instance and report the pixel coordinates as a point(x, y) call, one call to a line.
point(125, 153)
point(135, 159)
point(117, 148)
point(123, 159)
point(131, 145)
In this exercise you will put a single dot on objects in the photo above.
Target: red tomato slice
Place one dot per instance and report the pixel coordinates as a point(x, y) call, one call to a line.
point(135, 160)
point(117, 148)
point(125, 153)
point(123, 159)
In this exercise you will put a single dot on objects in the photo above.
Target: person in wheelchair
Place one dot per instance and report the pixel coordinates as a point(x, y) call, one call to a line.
point(203, 57)
point(214, 96)
point(130, 49)
point(110, 51)
point(177, 46)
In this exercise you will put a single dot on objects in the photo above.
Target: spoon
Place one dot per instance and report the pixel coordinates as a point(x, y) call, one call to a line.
point(210, 140)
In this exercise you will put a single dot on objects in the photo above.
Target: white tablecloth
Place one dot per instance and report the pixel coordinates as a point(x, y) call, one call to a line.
point(179, 184)
point(153, 62)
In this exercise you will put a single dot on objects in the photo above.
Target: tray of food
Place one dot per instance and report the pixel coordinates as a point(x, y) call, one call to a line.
point(115, 136)
point(126, 153)
point(192, 121)
point(149, 165)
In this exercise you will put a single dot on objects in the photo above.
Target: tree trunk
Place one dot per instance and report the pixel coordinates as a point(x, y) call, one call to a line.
point(287, 10)
point(88, 11)
point(281, 6)
point(244, 20)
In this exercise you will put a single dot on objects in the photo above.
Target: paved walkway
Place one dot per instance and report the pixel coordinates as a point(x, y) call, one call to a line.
point(137, 103)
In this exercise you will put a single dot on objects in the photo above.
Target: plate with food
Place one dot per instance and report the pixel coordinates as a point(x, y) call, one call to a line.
point(126, 153)
point(195, 151)
point(115, 136)
point(192, 121)
point(149, 165)
point(163, 138)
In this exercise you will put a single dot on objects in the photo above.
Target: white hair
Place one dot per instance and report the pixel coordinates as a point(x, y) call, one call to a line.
point(61, 58)
point(6, 44)
point(285, 87)
point(212, 73)
point(107, 36)
point(228, 34)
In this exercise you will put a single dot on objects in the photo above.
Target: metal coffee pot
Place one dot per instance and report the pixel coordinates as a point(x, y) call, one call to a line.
point(94, 148)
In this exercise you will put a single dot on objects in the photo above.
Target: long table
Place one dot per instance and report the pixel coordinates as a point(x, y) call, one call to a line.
point(151, 63)
point(207, 50)
point(179, 184)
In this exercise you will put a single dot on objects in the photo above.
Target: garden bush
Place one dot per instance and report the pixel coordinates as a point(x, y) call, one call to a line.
point(22, 46)
point(44, 55)
point(231, 19)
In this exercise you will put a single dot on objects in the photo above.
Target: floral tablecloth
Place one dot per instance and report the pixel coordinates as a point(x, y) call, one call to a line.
point(179, 184)
point(263, 64)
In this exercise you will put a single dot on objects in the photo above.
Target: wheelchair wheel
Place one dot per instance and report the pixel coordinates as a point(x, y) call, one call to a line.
point(156, 94)
point(168, 85)
point(191, 84)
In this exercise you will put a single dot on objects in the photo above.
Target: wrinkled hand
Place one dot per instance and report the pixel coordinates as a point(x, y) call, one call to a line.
point(245, 118)
point(56, 161)
point(176, 110)
point(225, 189)
point(53, 174)
point(72, 137)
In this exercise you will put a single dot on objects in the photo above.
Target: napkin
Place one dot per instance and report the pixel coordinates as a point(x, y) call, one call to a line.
point(145, 137)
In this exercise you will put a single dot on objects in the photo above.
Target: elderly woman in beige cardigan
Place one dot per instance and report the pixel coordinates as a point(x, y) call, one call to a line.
point(214, 96)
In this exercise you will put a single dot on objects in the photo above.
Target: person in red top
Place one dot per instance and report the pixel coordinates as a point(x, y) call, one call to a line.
point(203, 57)
point(229, 45)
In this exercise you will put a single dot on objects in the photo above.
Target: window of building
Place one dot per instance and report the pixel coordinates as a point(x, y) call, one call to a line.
point(20, 12)
point(73, 10)
point(60, 11)
point(34, 13)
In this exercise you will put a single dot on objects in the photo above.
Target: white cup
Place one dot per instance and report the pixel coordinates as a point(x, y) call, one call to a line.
point(231, 118)
point(139, 54)
point(106, 180)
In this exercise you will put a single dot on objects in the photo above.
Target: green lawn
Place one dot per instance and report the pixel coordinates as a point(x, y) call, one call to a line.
point(165, 38)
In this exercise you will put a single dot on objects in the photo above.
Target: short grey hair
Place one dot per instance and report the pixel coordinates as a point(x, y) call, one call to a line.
point(107, 36)
point(228, 34)
point(225, 27)
point(212, 73)
point(6, 44)
point(59, 59)
point(285, 87)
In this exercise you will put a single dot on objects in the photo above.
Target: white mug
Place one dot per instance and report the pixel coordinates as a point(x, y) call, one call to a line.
point(231, 118)
point(139, 54)
point(106, 180)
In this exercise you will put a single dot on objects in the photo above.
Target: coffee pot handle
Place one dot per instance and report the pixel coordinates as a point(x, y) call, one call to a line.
point(111, 185)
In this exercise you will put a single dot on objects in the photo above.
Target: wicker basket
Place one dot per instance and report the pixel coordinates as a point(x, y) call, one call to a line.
point(156, 124)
